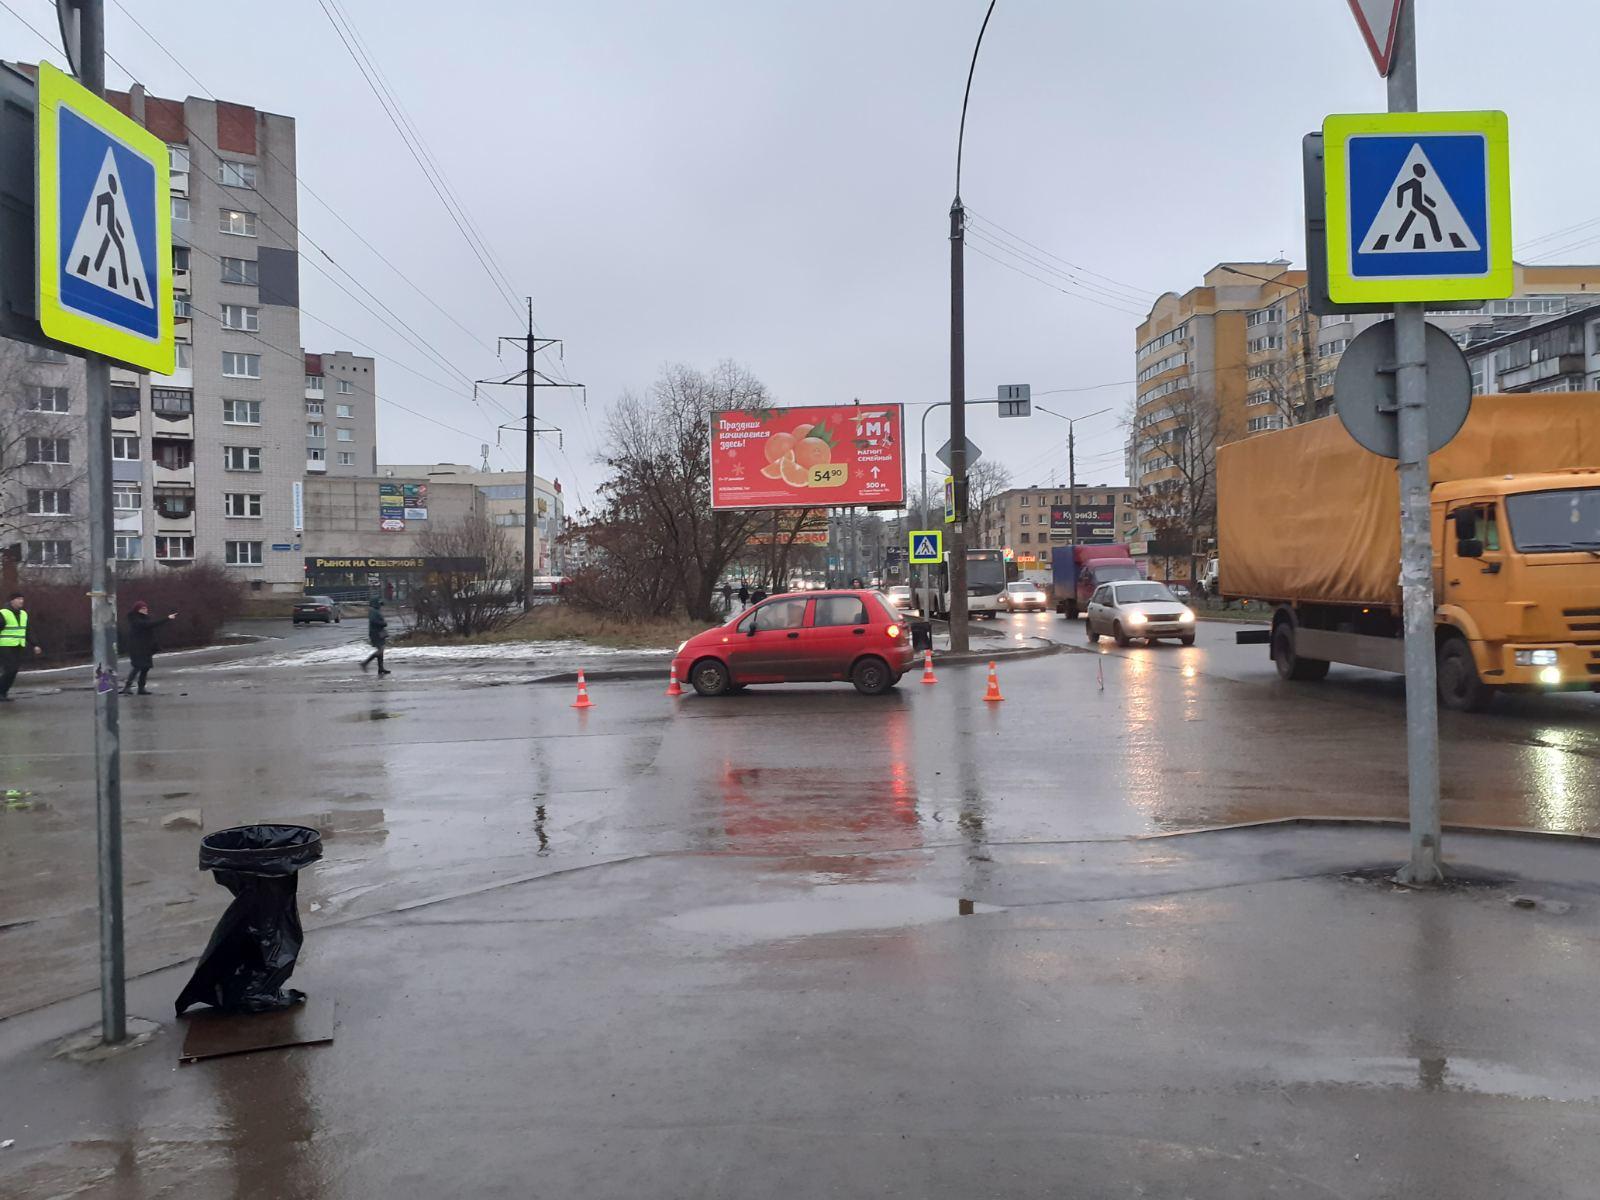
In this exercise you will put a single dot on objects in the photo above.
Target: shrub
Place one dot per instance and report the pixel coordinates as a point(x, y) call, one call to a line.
point(204, 596)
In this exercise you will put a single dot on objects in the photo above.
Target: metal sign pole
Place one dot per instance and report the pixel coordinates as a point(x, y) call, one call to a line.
point(103, 616)
point(1416, 537)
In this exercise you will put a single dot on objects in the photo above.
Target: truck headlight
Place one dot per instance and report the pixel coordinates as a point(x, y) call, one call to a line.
point(1136, 618)
point(1550, 675)
point(1536, 658)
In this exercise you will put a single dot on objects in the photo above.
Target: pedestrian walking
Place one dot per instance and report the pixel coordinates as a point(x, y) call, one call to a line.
point(13, 641)
point(377, 634)
point(141, 645)
point(744, 594)
point(727, 598)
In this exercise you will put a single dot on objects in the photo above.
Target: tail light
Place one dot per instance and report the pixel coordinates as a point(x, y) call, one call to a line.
point(893, 631)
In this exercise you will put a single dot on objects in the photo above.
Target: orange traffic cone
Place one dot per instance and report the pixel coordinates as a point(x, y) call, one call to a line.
point(993, 694)
point(927, 668)
point(672, 686)
point(583, 700)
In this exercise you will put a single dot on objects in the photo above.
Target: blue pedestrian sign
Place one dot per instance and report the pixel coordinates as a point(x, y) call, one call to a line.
point(104, 228)
point(927, 546)
point(1418, 207)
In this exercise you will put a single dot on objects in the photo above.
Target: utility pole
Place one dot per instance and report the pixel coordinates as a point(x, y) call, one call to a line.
point(1072, 476)
point(532, 379)
point(957, 549)
point(88, 56)
point(1416, 553)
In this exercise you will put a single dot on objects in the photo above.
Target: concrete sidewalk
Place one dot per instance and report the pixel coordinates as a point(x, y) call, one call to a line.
point(1231, 1014)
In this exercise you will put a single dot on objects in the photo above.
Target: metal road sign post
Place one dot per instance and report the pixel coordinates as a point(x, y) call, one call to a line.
point(1417, 210)
point(104, 254)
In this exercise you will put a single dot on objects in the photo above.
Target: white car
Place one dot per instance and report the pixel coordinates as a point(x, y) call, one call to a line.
point(1023, 596)
point(1138, 609)
point(899, 595)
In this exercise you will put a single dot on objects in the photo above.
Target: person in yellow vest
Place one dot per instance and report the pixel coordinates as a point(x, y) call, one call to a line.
point(13, 641)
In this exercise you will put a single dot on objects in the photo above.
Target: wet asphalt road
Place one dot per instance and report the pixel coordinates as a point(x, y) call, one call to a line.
point(449, 777)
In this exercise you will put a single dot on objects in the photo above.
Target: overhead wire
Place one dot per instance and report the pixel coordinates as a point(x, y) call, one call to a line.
point(1143, 294)
point(1052, 286)
point(1090, 290)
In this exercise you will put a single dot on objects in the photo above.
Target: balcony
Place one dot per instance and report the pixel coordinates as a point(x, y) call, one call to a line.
point(179, 426)
point(316, 466)
point(173, 464)
point(127, 470)
point(1518, 378)
point(313, 390)
point(316, 443)
point(127, 521)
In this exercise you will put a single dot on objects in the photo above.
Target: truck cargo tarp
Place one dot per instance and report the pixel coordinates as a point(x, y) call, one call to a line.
point(1306, 514)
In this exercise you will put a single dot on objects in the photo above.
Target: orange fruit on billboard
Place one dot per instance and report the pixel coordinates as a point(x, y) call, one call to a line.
point(793, 473)
point(778, 445)
point(812, 452)
point(773, 470)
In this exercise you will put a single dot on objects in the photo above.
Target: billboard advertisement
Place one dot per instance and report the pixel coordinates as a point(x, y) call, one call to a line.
point(1096, 522)
point(829, 456)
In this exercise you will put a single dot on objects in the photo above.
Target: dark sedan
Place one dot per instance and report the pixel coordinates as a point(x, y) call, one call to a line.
point(316, 608)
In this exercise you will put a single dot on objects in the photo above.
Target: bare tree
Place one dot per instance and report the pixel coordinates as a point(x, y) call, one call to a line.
point(43, 451)
point(985, 482)
point(1278, 387)
point(478, 586)
point(1181, 443)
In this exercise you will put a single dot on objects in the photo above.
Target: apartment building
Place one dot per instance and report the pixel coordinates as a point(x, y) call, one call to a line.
point(1034, 520)
point(1242, 354)
point(1556, 354)
point(506, 493)
point(206, 461)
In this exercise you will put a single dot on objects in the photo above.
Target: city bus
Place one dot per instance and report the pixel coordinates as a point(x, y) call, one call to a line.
point(988, 572)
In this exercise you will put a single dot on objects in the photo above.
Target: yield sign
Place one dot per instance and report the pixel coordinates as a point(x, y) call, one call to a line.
point(1378, 20)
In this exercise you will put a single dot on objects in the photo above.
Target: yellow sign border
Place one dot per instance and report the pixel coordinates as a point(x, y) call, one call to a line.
point(938, 547)
point(57, 90)
point(1345, 288)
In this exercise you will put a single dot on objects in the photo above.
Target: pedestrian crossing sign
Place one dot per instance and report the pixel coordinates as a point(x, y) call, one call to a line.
point(1418, 207)
point(927, 546)
point(104, 228)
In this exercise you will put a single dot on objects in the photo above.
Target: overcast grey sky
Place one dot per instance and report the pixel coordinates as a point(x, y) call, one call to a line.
point(769, 181)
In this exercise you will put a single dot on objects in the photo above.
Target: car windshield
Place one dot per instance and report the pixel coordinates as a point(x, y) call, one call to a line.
point(900, 589)
point(1550, 522)
point(1022, 586)
point(1134, 593)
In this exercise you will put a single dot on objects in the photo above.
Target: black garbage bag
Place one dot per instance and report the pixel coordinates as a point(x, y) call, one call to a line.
point(254, 947)
point(921, 635)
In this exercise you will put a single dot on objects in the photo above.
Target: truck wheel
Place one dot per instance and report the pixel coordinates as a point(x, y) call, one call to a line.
point(1118, 635)
point(1459, 686)
point(1290, 665)
point(1071, 609)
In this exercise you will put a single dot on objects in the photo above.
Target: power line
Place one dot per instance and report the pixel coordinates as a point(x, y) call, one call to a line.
point(1128, 287)
point(1038, 263)
point(479, 253)
point(1054, 287)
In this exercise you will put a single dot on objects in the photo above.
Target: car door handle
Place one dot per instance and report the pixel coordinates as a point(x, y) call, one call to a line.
point(859, 632)
point(794, 635)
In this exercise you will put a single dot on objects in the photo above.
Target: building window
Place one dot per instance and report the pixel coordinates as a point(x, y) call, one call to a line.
point(346, 435)
point(49, 400)
point(182, 307)
point(236, 174)
point(178, 159)
point(241, 458)
point(172, 455)
point(174, 549)
point(241, 270)
point(238, 223)
point(184, 358)
point(316, 429)
point(1334, 347)
point(180, 208)
point(314, 383)
point(344, 387)
point(313, 408)
point(1258, 398)
point(241, 412)
point(242, 554)
point(172, 505)
point(343, 410)
point(124, 448)
point(1026, 538)
point(241, 366)
point(124, 401)
point(1264, 316)
point(129, 548)
point(241, 316)
point(347, 458)
point(1260, 424)
point(173, 402)
point(48, 450)
point(316, 454)
point(1023, 501)
point(49, 502)
point(1272, 341)
point(126, 499)
point(180, 258)
point(1024, 519)
point(241, 504)
point(50, 553)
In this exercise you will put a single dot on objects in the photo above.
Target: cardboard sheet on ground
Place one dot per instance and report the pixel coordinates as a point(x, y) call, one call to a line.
point(215, 1034)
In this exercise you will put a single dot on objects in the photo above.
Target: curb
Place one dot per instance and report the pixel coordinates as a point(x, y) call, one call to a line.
point(947, 658)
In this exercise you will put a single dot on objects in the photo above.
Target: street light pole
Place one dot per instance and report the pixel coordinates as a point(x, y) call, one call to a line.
point(1072, 458)
point(958, 377)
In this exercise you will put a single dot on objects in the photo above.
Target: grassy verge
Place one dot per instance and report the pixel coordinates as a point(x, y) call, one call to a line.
point(1256, 614)
point(557, 623)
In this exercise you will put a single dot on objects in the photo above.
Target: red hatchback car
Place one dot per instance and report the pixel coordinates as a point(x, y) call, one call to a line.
point(810, 637)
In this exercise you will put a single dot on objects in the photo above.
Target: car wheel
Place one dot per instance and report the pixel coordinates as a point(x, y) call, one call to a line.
point(1119, 636)
point(1187, 639)
point(1460, 688)
point(1088, 629)
point(871, 676)
point(709, 677)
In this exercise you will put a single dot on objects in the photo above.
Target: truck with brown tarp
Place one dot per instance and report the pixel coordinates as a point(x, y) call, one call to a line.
point(1309, 523)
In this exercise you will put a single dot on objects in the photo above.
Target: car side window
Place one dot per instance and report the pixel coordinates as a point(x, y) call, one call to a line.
point(777, 614)
point(839, 610)
point(1102, 595)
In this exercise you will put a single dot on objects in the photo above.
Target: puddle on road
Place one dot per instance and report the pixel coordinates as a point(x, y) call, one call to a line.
point(843, 909)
